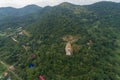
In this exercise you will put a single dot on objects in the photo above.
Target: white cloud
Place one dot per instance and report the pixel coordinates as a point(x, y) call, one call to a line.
point(21, 3)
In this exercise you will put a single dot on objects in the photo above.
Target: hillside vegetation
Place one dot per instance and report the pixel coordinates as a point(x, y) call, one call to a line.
point(38, 48)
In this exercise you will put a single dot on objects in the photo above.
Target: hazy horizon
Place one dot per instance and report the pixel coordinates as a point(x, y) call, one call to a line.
point(43, 3)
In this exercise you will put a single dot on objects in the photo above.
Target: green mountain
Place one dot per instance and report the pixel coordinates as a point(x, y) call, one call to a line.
point(18, 16)
point(9, 11)
point(38, 47)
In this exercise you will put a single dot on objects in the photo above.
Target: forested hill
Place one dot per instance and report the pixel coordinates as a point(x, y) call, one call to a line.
point(9, 11)
point(35, 46)
point(13, 17)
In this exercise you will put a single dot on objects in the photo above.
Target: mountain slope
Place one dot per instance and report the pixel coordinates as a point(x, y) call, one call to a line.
point(21, 17)
point(9, 11)
point(95, 53)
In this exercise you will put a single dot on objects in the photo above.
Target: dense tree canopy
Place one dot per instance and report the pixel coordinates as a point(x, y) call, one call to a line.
point(39, 49)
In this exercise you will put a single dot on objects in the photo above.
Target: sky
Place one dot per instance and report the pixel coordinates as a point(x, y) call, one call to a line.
point(42, 3)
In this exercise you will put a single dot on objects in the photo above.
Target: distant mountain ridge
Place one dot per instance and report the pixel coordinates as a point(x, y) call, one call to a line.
point(30, 13)
point(10, 11)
